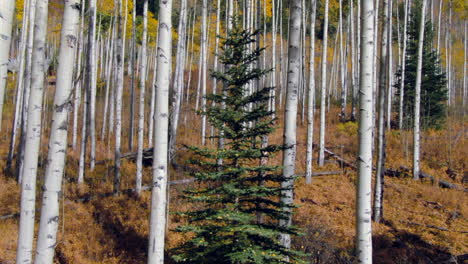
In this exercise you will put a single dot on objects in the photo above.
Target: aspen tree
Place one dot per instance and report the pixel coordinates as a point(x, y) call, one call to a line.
point(342, 65)
point(381, 154)
point(311, 99)
point(389, 64)
point(33, 136)
point(7, 9)
point(47, 239)
point(204, 60)
point(161, 131)
point(403, 64)
point(118, 93)
point(26, 88)
point(323, 90)
point(78, 76)
point(19, 86)
point(91, 84)
point(363, 190)
point(132, 78)
point(141, 110)
point(290, 114)
point(178, 79)
point(417, 97)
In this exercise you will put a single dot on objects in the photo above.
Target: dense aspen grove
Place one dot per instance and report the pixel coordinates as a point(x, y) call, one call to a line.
point(233, 131)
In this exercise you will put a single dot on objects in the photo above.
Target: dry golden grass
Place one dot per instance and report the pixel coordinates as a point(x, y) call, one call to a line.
point(115, 229)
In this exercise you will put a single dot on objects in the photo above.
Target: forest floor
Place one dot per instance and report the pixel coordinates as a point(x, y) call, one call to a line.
point(423, 223)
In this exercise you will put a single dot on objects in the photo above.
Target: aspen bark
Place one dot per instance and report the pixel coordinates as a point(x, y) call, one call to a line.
point(91, 85)
point(141, 110)
point(403, 65)
point(204, 61)
point(33, 136)
point(178, 86)
point(323, 90)
point(118, 95)
point(289, 154)
point(47, 238)
point(19, 86)
point(311, 98)
point(383, 83)
point(417, 97)
point(7, 9)
point(363, 190)
point(132, 78)
point(161, 131)
point(78, 76)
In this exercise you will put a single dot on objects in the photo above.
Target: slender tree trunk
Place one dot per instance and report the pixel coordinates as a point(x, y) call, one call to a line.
point(389, 64)
point(20, 86)
point(384, 61)
point(204, 68)
point(132, 79)
point(363, 190)
point(26, 91)
point(178, 80)
point(311, 99)
point(354, 59)
point(78, 76)
point(403, 65)
point(438, 27)
point(464, 70)
point(417, 97)
point(118, 97)
point(342, 65)
point(92, 82)
point(141, 115)
point(47, 238)
point(33, 137)
point(161, 131)
point(323, 90)
point(84, 138)
point(7, 9)
point(152, 102)
point(109, 76)
point(290, 114)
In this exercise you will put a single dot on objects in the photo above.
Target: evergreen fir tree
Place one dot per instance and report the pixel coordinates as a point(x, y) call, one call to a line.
point(236, 205)
point(433, 83)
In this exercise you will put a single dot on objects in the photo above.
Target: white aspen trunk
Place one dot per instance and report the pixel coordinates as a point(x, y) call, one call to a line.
point(290, 114)
point(417, 97)
point(311, 99)
point(109, 77)
point(84, 137)
point(323, 90)
point(178, 86)
point(152, 102)
point(354, 58)
point(390, 64)
point(118, 94)
point(161, 131)
point(342, 65)
point(7, 9)
point(141, 110)
point(374, 85)
point(26, 90)
point(366, 123)
point(403, 65)
point(438, 27)
point(92, 82)
point(215, 62)
point(384, 63)
point(204, 68)
point(33, 137)
point(19, 87)
point(133, 51)
point(47, 238)
point(78, 77)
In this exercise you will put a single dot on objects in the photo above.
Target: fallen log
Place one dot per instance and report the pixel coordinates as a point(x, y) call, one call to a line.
point(441, 183)
point(433, 226)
